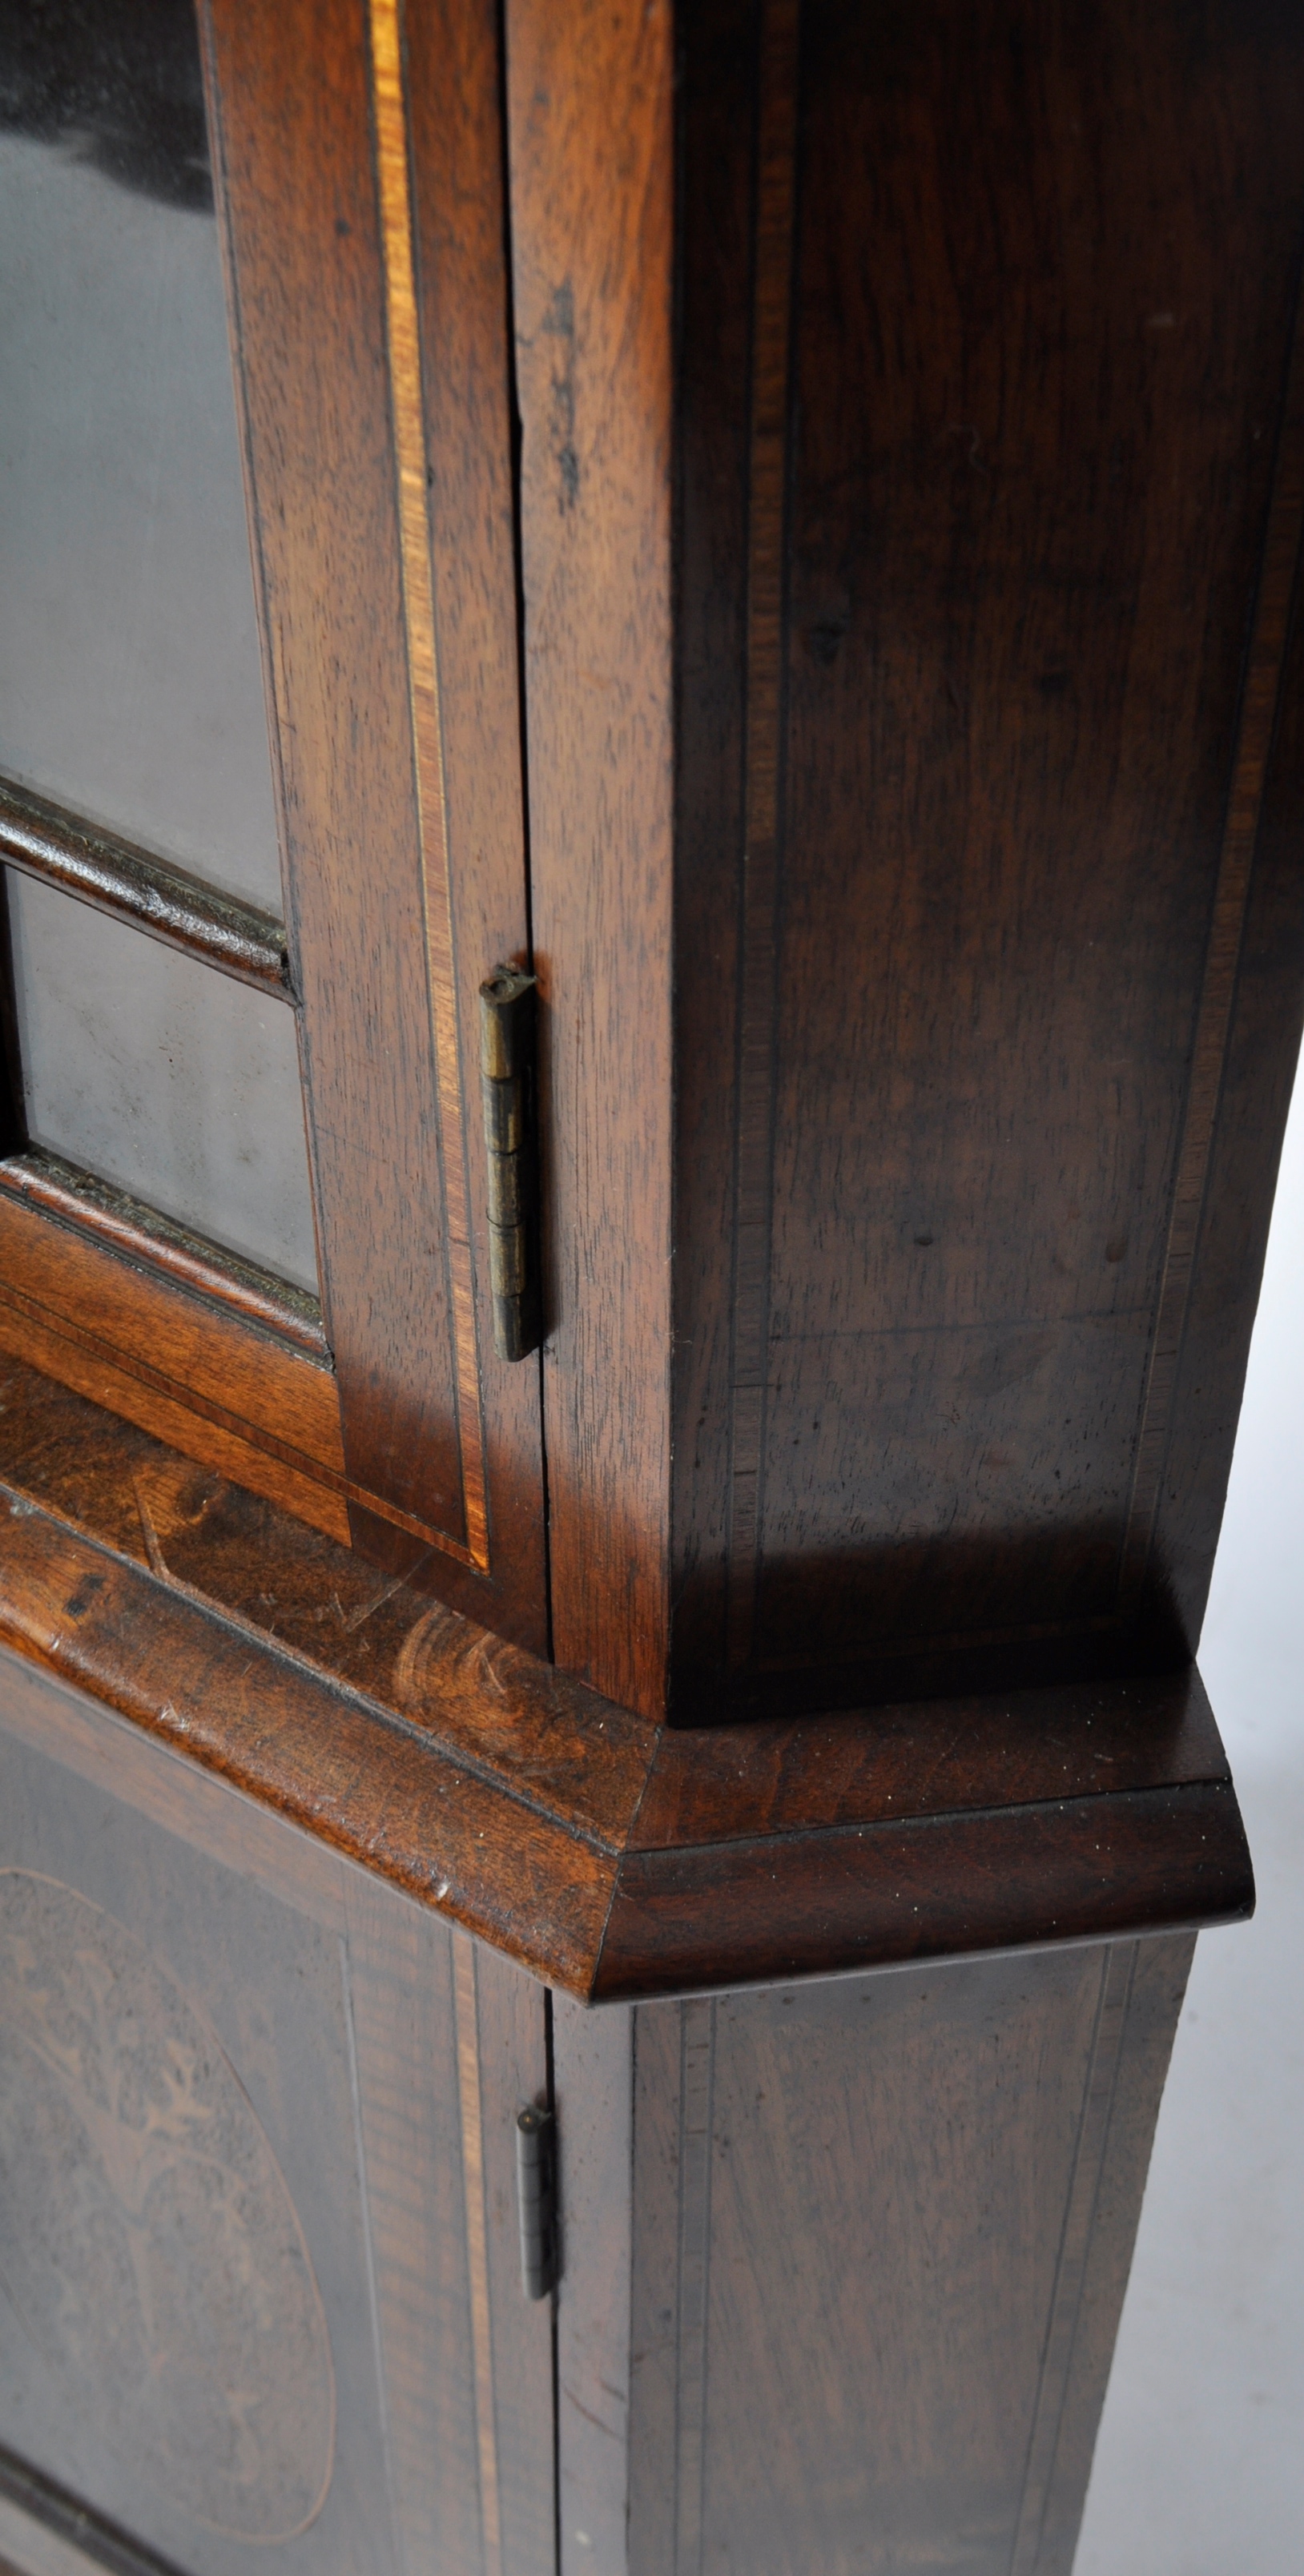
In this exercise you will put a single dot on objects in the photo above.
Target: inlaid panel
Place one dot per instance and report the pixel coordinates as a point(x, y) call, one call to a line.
point(126, 2137)
point(185, 2339)
point(260, 2300)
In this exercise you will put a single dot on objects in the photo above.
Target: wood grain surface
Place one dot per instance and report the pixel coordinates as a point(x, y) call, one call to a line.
point(455, 74)
point(929, 1758)
point(843, 2263)
point(607, 1855)
point(589, 95)
point(855, 469)
point(1093, 2274)
point(763, 724)
point(440, 1829)
point(878, 2233)
point(228, 1351)
point(214, 1373)
point(939, 1887)
point(321, 2013)
point(784, 520)
point(386, 583)
point(155, 1243)
point(1260, 695)
point(989, 521)
point(200, 1374)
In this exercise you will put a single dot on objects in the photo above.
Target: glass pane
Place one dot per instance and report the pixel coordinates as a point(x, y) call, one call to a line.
point(158, 1073)
point(130, 687)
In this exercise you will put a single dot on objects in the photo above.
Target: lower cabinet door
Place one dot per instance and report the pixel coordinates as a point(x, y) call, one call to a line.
point(260, 2295)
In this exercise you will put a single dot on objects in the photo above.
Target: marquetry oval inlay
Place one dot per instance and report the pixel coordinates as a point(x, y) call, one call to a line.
point(147, 2236)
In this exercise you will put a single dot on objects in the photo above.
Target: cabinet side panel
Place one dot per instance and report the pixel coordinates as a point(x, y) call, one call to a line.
point(880, 2235)
point(718, 76)
point(590, 158)
point(974, 840)
point(1158, 1985)
point(1262, 1052)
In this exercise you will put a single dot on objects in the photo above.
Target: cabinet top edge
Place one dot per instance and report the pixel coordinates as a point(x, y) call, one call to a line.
point(612, 1858)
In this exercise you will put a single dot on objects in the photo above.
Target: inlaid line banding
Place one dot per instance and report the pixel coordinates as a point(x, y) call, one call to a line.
point(467, 2020)
point(427, 735)
point(696, 2146)
point(754, 1150)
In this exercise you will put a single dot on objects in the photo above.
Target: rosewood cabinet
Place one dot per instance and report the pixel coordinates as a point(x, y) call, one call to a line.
point(649, 1569)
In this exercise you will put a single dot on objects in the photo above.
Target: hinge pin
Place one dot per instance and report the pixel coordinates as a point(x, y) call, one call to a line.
point(536, 2193)
point(507, 1027)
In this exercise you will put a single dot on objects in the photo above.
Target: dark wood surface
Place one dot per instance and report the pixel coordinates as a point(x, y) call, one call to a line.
point(850, 2275)
point(785, 520)
point(152, 1242)
point(1096, 2258)
point(429, 704)
point(1257, 1074)
point(191, 1350)
point(148, 892)
point(731, 1914)
point(371, 335)
point(612, 1857)
point(988, 978)
point(861, 502)
point(333, 2337)
point(929, 1758)
point(590, 130)
point(842, 2261)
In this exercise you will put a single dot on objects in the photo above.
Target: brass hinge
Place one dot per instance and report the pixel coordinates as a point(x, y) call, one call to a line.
point(536, 2193)
point(507, 1031)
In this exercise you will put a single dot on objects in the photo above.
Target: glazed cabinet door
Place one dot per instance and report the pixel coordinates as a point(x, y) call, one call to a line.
point(245, 1180)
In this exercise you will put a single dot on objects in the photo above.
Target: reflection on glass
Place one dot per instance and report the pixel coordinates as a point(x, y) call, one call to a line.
point(130, 687)
point(153, 1070)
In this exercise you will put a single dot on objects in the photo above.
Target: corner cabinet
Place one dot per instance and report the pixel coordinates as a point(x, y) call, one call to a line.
point(625, 1279)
